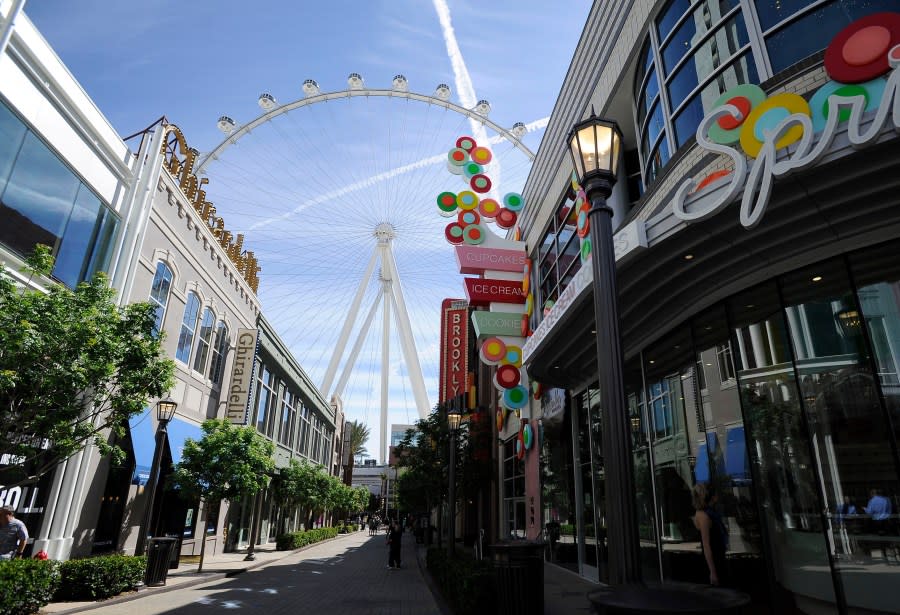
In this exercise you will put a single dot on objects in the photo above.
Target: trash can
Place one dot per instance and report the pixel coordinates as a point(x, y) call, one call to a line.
point(159, 554)
point(519, 574)
point(175, 557)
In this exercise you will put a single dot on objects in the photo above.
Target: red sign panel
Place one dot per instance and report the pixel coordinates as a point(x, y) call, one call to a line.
point(454, 348)
point(481, 291)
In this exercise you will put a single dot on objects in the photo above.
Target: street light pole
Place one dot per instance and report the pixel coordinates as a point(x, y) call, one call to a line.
point(165, 410)
point(594, 145)
point(453, 419)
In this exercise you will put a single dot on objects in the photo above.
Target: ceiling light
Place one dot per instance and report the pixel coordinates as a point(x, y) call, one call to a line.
point(652, 361)
point(818, 278)
point(688, 257)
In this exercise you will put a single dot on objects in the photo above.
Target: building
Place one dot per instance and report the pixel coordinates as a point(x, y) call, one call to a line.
point(760, 311)
point(398, 432)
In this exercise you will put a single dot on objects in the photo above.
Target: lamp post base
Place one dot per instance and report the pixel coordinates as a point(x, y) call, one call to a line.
point(683, 598)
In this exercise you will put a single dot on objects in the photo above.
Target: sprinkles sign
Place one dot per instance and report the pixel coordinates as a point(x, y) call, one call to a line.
point(863, 61)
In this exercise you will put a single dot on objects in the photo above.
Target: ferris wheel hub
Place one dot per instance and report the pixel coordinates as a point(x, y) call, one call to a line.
point(384, 232)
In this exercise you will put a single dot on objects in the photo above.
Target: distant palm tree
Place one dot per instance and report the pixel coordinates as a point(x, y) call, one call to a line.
point(359, 435)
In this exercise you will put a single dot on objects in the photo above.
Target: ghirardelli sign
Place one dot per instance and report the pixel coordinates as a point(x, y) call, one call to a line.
point(454, 348)
point(241, 384)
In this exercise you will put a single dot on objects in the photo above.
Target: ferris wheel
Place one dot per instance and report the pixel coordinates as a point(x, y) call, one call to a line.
point(335, 194)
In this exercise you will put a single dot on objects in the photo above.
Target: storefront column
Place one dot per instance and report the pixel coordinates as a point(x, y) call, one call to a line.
point(579, 487)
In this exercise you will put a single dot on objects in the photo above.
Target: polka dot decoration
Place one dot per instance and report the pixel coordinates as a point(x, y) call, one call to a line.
point(520, 447)
point(818, 104)
point(583, 223)
point(526, 276)
point(456, 170)
point(528, 436)
point(480, 183)
point(457, 156)
point(727, 129)
point(516, 397)
point(481, 155)
point(502, 413)
point(766, 116)
point(446, 202)
point(507, 376)
point(467, 200)
point(574, 182)
point(524, 329)
point(860, 52)
point(506, 218)
point(454, 233)
point(466, 143)
point(513, 356)
point(471, 169)
point(585, 249)
point(474, 234)
point(468, 217)
point(492, 351)
point(537, 390)
point(529, 304)
point(488, 208)
point(513, 201)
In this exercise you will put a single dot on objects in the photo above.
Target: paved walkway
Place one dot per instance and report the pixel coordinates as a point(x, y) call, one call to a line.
point(345, 575)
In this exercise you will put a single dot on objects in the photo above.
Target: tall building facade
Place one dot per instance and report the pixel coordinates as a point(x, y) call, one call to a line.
point(759, 302)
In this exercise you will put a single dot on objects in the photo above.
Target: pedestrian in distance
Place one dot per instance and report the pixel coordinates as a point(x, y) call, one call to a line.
point(394, 538)
point(713, 534)
point(13, 535)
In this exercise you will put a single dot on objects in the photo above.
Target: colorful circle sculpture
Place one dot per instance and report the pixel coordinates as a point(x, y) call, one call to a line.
point(492, 351)
point(467, 200)
point(766, 116)
point(516, 397)
point(818, 104)
point(506, 218)
point(513, 356)
point(859, 52)
point(466, 218)
point(513, 201)
point(583, 222)
point(537, 390)
point(502, 413)
point(489, 208)
point(526, 276)
point(471, 169)
point(520, 447)
point(474, 234)
point(456, 170)
point(446, 202)
point(727, 129)
point(507, 376)
point(529, 304)
point(711, 178)
point(481, 155)
point(480, 183)
point(585, 249)
point(454, 233)
point(524, 328)
point(574, 182)
point(528, 436)
point(466, 143)
point(457, 156)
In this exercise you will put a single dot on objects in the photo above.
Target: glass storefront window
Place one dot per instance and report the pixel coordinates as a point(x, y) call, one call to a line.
point(513, 492)
point(188, 327)
point(204, 340)
point(670, 15)
point(704, 18)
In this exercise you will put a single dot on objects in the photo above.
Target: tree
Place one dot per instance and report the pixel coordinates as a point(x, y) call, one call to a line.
point(229, 462)
point(73, 366)
point(359, 435)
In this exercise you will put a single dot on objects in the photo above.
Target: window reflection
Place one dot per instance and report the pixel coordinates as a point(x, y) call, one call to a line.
point(703, 19)
point(159, 293)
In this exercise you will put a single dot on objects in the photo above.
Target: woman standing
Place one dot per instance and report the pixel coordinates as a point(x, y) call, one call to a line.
point(713, 534)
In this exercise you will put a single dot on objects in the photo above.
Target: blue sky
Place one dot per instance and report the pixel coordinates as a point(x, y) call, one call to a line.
point(195, 61)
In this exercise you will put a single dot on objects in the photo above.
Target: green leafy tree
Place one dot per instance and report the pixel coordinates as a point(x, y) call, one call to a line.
point(229, 462)
point(73, 367)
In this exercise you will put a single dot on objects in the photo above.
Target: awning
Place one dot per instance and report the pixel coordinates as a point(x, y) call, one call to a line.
point(737, 465)
point(143, 442)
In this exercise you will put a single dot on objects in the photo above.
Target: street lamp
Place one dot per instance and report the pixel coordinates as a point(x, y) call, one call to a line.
point(165, 410)
point(595, 144)
point(454, 417)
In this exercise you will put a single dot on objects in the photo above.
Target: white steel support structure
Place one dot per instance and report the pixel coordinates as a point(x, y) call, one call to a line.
point(390, 294)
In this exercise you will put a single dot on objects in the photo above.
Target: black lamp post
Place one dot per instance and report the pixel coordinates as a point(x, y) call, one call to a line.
point(454, 417)
point(595, 144)
point(165, 410)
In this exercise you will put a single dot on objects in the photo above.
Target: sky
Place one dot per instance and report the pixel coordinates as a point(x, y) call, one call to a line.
point(308, 187)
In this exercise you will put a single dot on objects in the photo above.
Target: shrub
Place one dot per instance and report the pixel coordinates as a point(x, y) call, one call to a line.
point(26, 585)
point(466, 584)
point(295, 540)
point(99, 577)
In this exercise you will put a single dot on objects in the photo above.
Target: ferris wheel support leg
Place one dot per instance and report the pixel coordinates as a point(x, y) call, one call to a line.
point(385, 368)
point(407, 341)
point(348, 326)
point(357, 345)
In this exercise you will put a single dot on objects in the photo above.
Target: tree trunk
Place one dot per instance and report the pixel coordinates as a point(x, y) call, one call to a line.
point(203, 539)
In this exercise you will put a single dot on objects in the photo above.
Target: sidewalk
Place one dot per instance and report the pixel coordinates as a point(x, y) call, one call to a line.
point(219, 566)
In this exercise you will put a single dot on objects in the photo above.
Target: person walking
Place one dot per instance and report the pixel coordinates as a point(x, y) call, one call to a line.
point(13, 535)
point(713, 535)
point(395, 536)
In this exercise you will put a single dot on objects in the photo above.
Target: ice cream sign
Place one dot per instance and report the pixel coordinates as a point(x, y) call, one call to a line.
point(785, 133)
